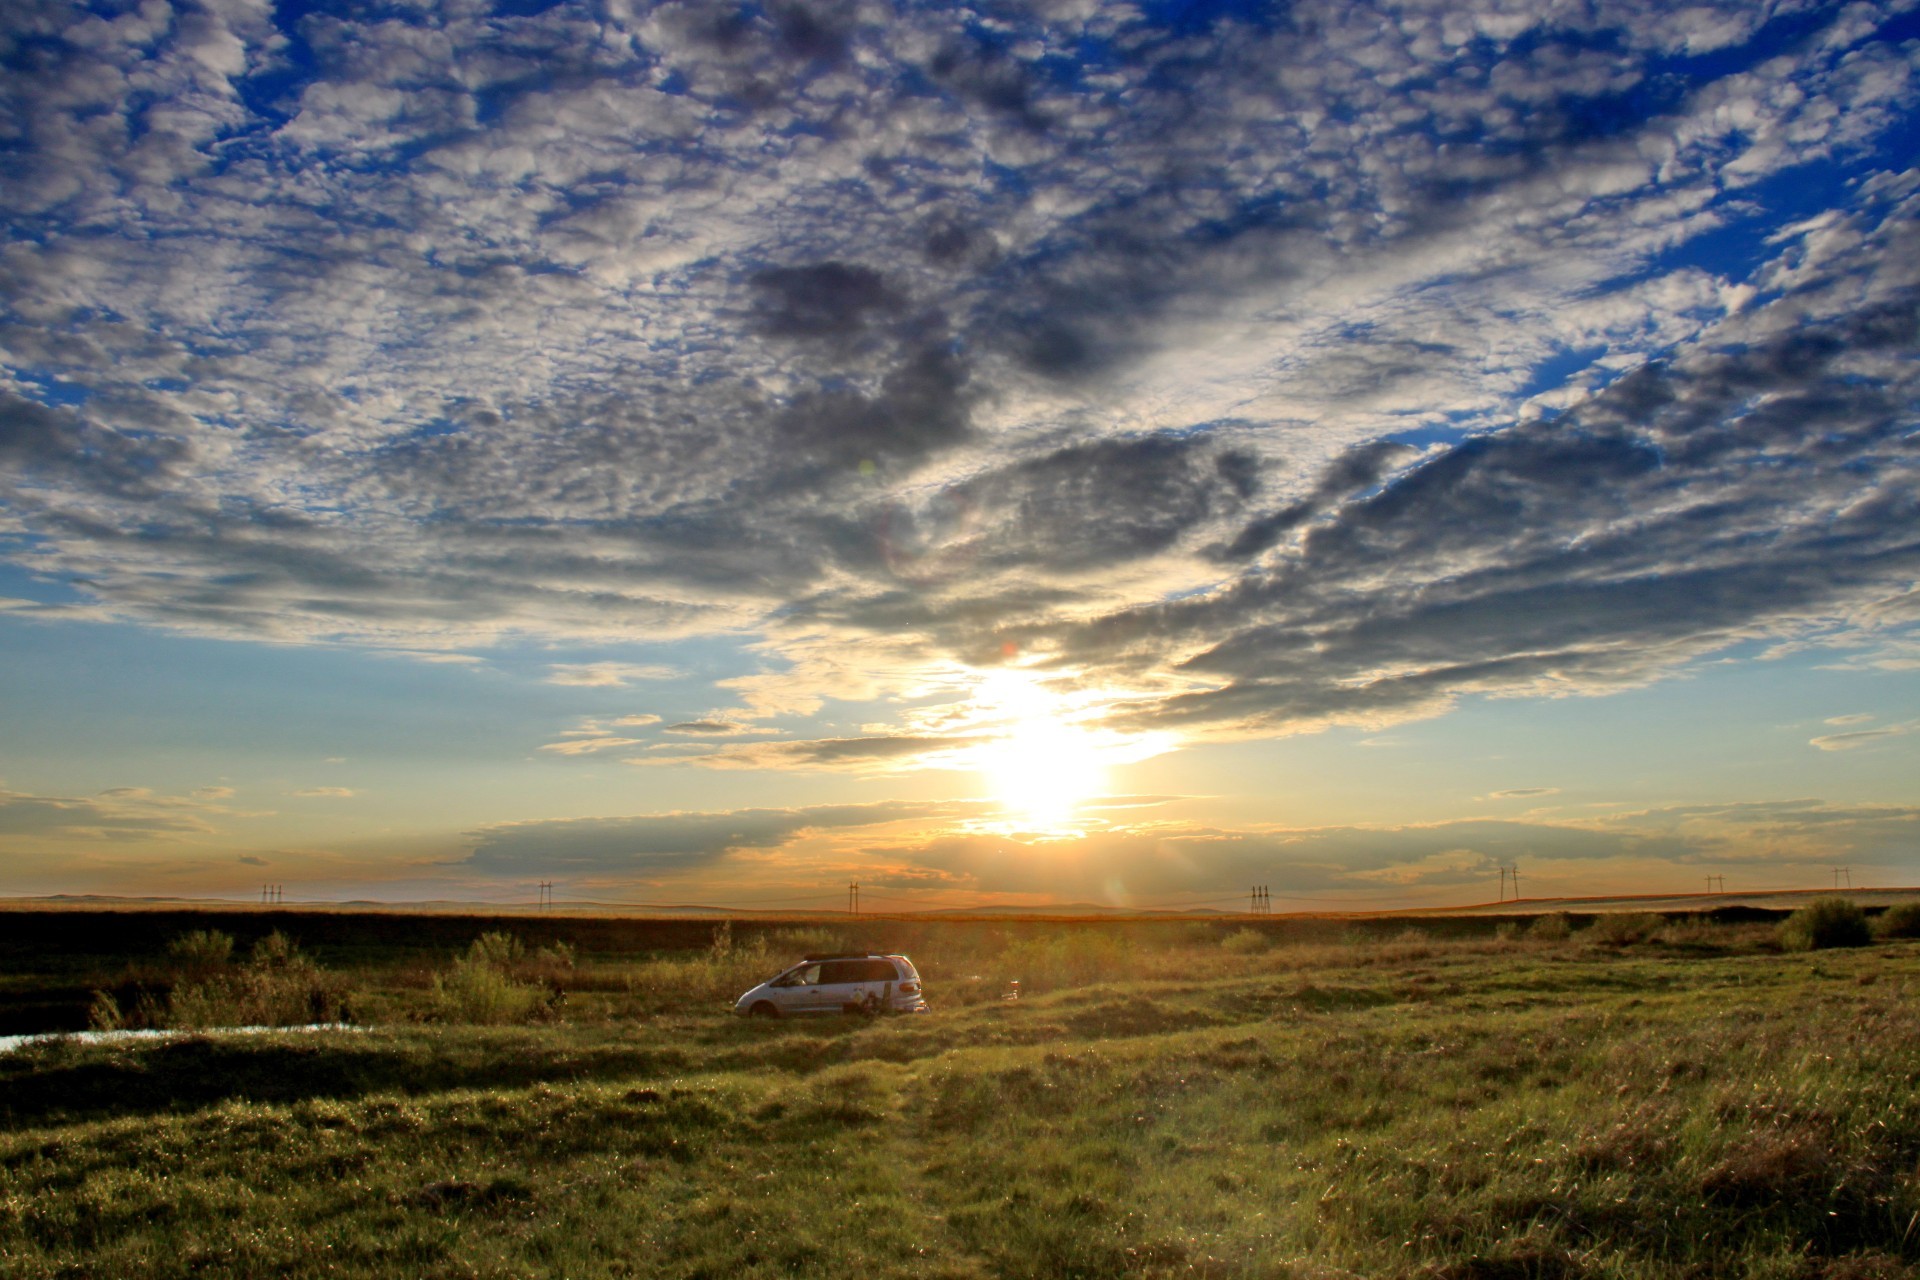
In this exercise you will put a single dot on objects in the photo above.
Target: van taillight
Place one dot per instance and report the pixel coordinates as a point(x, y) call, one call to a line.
point(909, 988)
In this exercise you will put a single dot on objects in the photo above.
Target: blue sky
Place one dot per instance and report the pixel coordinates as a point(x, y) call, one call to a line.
point(1059, 451)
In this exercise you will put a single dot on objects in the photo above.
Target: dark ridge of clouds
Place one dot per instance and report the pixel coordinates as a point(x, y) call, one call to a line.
point(1103, 502)
point(51, 444)
point(873, 751)
point(1679, 510)
point(1358, 468)
point(922, 405)
point(826, 301)
point(709, 728)
point(651, 842)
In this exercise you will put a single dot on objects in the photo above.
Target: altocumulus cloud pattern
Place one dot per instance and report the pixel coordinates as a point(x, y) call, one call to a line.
point(1270, 366)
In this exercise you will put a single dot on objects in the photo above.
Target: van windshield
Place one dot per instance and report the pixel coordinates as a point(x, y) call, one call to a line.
point(805, 976)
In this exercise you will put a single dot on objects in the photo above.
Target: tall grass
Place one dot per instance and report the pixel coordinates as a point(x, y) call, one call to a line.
point(276, 986)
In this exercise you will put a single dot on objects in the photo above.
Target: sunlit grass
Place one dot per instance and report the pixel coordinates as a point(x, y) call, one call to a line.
point(1408, 1107)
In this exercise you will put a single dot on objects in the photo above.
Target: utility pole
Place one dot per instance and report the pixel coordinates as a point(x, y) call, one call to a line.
point(1513, 873)
point(546, 895)
point(853, 898)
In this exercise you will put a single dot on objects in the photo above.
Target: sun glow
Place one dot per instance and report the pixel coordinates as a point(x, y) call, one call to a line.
point(1043, 759)
point(1042, 772)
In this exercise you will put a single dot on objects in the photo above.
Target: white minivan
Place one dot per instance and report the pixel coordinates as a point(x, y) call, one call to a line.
point(840, 983)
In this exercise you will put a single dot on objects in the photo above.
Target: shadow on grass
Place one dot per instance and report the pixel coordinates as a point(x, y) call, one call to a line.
point(61, 1084)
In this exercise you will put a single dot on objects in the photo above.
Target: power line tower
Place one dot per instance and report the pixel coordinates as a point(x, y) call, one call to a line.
point(546, 895)
point(853, 897)
point(1842, 873)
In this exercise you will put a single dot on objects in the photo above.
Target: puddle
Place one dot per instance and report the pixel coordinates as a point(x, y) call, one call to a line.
point(10, 1043)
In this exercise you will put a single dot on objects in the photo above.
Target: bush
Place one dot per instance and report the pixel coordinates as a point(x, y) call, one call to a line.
point(277, 987)
point(1624, 929)
point(485, 985)
point(1823, 923)
point(1244, 942)
point(1556, 926)
point(200, 953)
point(1902, 920)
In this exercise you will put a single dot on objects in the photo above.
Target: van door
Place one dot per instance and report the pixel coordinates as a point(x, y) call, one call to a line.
point(840, 984)
point(798, 991)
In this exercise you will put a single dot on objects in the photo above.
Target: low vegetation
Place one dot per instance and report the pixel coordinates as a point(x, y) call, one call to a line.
point(1823, 923)
point(1687, 1101)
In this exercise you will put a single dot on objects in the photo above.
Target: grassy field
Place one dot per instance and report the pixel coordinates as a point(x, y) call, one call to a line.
point(1636, 1099)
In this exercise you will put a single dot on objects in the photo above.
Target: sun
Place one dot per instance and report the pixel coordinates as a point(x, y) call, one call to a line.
point(1042, 771)
point(1041, 764)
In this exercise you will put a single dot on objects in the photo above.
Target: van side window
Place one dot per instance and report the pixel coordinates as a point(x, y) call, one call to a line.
point(841, 971)
point(877, 971)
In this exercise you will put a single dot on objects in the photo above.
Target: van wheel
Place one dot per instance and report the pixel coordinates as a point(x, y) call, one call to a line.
point(764, 1009)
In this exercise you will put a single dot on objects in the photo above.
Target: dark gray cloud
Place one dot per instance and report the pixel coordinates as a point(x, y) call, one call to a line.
point(874, 751)
point(655, 842)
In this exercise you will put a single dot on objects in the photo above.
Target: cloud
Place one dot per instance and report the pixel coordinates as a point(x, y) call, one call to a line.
point(121, 814)
point(324, 793)
point(1268, 374)
point(587, 745)
point(605, 675)
point(1861, 737)
point(249, 860)
point(1858, 717)
point(713, 728)
point(871, 753)
point(1523, 793)
point(652, 842)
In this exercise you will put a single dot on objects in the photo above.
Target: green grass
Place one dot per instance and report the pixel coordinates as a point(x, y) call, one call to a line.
point(1697, 1108)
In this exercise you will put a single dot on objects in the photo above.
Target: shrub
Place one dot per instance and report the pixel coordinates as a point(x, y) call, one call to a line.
point(1244, 942)
point(277, 987)
point(1624, 928)
point(1823, 923)
point(483, 986)
point(1555, 926)
point(1902, 920)
point(201, 952)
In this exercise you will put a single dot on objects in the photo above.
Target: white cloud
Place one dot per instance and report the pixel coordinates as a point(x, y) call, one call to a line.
point(606, 675)
point(1859, 738)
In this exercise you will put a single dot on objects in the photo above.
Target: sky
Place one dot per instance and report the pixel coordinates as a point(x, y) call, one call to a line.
point(995, 454)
